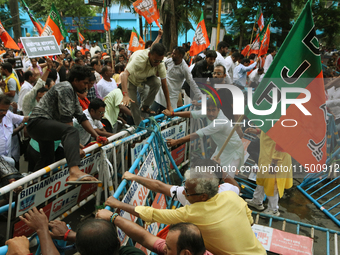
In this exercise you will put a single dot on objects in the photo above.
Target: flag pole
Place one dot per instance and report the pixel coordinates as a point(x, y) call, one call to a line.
point(229, 137)
point(110, 51)
point(218, 22)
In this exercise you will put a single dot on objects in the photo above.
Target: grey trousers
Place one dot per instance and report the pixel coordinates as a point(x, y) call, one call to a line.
point(154, 83)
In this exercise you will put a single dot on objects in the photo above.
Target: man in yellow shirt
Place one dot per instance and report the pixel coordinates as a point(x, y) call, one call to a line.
point(143, 68)
point(223, 219)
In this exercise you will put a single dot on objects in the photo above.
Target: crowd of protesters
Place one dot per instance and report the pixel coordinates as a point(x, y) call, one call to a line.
point(53, 107)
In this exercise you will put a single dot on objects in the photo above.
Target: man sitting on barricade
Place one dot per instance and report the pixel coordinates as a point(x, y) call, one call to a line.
point(176, 192)
point(51, 120)
point(223, 219)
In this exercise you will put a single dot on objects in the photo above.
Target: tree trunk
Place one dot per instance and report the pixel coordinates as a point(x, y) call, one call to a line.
point(173, 26)
point(14, 8)
point(241, 38)
point(286, 6)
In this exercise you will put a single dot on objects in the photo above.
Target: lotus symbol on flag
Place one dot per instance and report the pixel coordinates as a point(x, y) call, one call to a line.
point(145, 5)
point(199, 37)
point(135, 42)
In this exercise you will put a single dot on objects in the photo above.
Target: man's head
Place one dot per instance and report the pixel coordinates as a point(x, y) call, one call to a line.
point(97, 237)
point(119, 68)
point(6, 69)
point(99, 54)
point(200, 185)
point(40, 93)
point(272, 52)
point(121, 51)
point(84, 46)
point(107, 72)
point(245, 62)
point(96, 64)
point(11, 61)
point(49, 83)
point(29, 77)
point(222, 47)
point(78, 54)
point(210, 56)
point(108, 62)
point(79, 61)
point(97, 109)
point(121, 58)
point(80, 78)
point(213, 108)
point(156, 54)
point(235, 56)
point(260, 70)
point(10, 53)
point(4, 106)
point(219, 74)
point(148, 44)
point(185, 239)
point(178, 54)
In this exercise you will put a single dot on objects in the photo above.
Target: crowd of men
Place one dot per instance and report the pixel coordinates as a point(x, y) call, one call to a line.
point(54, 107)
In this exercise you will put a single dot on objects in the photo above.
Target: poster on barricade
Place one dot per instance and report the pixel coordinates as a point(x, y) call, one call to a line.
point(40, 192)
point(173, 132)
point(158, 203)
point(137, 194)
point(40, 46)
point(281, 242)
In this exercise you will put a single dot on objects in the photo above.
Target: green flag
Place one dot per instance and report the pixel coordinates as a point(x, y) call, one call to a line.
point(299, 128)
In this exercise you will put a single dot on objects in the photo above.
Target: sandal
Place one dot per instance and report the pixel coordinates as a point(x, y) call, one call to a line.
point(146, 109)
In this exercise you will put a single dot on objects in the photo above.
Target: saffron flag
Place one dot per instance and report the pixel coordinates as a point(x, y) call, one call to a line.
point(136, 41)
point(265, 43)
point(201, 39)
point(54, 26)
point(81, 38)
point(252, 48)
point(148, 9)
point(35, 22)
point(259, 16)
point(295, 84)
point(107, 22)
point(7, 39)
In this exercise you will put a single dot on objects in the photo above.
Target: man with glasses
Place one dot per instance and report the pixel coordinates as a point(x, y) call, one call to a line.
point(223, 218)
point(176, 192)
point(94, 114)
point(144, 66)
point(7, 122)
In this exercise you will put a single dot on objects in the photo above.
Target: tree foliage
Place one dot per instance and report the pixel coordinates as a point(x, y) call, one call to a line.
point(122, 33)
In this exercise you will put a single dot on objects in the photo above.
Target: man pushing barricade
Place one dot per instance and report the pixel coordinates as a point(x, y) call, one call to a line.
point(232, 154)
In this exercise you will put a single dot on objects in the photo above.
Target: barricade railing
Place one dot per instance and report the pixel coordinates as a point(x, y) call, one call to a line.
point(325, 241)
point(321, 188)
point(107, 165)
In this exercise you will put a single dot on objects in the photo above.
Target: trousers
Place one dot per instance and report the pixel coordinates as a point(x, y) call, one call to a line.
point(45, 132)
point(154, 83)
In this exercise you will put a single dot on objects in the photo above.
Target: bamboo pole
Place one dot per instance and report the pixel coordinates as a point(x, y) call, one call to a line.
point(218, 22)
point(229, 137)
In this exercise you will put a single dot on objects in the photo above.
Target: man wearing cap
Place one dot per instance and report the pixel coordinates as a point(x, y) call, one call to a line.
point(94, 48)
point(88, 46)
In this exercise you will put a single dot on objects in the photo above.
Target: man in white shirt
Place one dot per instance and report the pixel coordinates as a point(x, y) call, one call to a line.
point(26, 87)
point(94, 48)
point(94, 114)
point(269, 59)
point(231, 64)
point(222, 50)
point(232, 155)
point(88, 45)
point(240, 72)
point(177, 72)
point(255, 77)
point(106, 84)
point(7, 122)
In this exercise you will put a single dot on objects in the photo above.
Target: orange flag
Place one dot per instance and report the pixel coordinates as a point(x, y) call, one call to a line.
point(107, 22)
point(148, 9)
point(265, 42)
point(81, 38)
point(201, 39)
point(136, 41)
point(54, 26)
point(7, 39)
